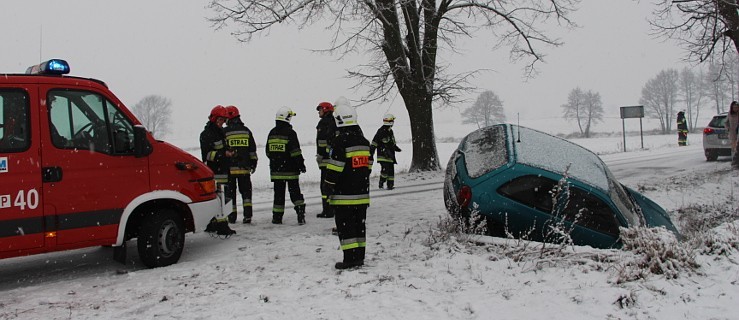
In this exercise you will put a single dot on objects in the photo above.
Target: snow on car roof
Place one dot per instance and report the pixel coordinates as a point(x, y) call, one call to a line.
point(541, 150)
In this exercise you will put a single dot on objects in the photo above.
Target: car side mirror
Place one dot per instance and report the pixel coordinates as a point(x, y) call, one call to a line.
point(141, 145)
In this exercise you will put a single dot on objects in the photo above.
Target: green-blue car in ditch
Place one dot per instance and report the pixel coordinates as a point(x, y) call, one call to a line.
point(530, 184)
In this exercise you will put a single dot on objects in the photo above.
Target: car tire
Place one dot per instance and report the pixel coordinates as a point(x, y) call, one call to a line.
point(495, 228)
point(711, 155)
point(161, 238)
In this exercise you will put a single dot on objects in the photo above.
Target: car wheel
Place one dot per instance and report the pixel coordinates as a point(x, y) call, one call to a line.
point(161, 238)
point(711, 155)
point(495, 228)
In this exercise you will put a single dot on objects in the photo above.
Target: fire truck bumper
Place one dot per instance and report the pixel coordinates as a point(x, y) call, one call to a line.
point(203, 212)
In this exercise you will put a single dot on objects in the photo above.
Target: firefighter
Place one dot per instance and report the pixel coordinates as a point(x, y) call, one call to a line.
point(243, 163)
point(347, 184)
point(384, 142)
point(325, 130)
point(215, 155)
point(682, 129)
point(285, 165)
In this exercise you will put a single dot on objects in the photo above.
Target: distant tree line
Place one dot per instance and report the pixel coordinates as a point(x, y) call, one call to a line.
point(691, 91)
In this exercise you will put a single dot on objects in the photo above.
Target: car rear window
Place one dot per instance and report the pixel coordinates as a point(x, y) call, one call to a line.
point(717, 122)
point(484, 150)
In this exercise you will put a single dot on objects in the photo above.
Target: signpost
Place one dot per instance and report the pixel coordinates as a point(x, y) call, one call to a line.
point(632, 112)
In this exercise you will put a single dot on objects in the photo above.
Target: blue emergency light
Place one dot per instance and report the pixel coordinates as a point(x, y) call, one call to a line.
point(53, 66)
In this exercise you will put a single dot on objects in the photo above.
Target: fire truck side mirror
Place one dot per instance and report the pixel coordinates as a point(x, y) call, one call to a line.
point(142, 147)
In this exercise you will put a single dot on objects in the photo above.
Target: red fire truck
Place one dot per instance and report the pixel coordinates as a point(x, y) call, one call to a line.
point(77, 169)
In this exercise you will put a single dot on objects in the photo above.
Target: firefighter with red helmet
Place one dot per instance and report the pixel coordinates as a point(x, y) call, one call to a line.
point(384, 142)
point(285, 165)
point(215, 155)
point(347, 184)
point(241, 141)
point(325, 131)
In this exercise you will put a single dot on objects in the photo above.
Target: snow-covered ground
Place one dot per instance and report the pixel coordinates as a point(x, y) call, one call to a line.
point(413, 270)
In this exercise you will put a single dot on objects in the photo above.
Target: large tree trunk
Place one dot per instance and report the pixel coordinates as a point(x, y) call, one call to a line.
point(425, 156)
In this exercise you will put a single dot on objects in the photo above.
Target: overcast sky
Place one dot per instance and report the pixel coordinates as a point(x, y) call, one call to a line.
point(167, 47)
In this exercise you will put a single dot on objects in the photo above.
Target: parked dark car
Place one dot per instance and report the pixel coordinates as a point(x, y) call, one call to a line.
point(716, 138)
point(525, 182)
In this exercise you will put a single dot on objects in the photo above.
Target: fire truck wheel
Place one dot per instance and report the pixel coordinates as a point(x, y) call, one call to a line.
point(161, 238)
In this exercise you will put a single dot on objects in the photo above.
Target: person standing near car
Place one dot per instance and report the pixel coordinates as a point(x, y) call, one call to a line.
point(682, 129)
point(215, 154)
point(243, 163)
point(285, 165)
point(347, 184)
point(384, 142)
point(325, 131)
point(732, 125)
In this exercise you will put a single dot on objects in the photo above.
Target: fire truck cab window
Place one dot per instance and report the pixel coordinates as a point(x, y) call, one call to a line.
point(14, 121)
point(85, 120)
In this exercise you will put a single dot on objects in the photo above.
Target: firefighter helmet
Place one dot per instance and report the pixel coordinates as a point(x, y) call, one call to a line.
point(284, 114)
point(345, 115)
point(325, 106)
point(388, 119)
point(217, 112)
point(232, 112)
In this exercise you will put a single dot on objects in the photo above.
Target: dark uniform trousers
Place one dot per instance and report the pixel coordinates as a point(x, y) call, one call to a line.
point(293, 187)
point(387, 173)
point(350, 225)
point(242, 183)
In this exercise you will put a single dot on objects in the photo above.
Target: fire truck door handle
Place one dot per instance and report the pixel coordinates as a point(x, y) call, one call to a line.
point(51, 174)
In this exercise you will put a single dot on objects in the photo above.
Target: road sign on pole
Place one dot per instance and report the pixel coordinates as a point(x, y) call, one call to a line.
point(632, 112)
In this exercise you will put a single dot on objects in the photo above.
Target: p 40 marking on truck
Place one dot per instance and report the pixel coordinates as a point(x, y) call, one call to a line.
point(24, 199)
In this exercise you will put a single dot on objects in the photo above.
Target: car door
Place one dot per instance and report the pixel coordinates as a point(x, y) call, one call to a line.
point(552, 208)
point(91, 170)
point(21, 212)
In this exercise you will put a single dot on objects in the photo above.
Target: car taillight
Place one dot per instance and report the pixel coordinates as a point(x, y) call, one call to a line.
point(464, 196)
point(708, 131)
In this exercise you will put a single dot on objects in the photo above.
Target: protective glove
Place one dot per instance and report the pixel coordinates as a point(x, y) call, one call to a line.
point(302, 168)
point(397, 149)
point(319, 159)
point(252, 170)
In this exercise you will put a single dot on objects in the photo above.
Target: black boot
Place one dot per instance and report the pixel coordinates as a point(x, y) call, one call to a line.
point(300, 210)
point(390, 184)
point(350, 260)
point(328, 212)
point(276, 218)
point(381, 183)
point(232, 217)
point(359, 256)
point(247, 214)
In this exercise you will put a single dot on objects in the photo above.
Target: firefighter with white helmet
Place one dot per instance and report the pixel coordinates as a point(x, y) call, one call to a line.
point(384, 142)
point(215, 154)
point(347, 184)
point(285, 165)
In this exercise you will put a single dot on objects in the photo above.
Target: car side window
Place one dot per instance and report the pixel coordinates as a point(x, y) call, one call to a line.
point(14, 121)
point(535, 192)
point(86, 120)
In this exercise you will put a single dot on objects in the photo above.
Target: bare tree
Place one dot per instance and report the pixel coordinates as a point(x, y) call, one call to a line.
point(692, 95)
point(708, 29)
point(704, 27)
point(716, 85)
point(154, 113)
point(486, 111)
point(659, 97)
point(586, 108)
point(405, 36)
